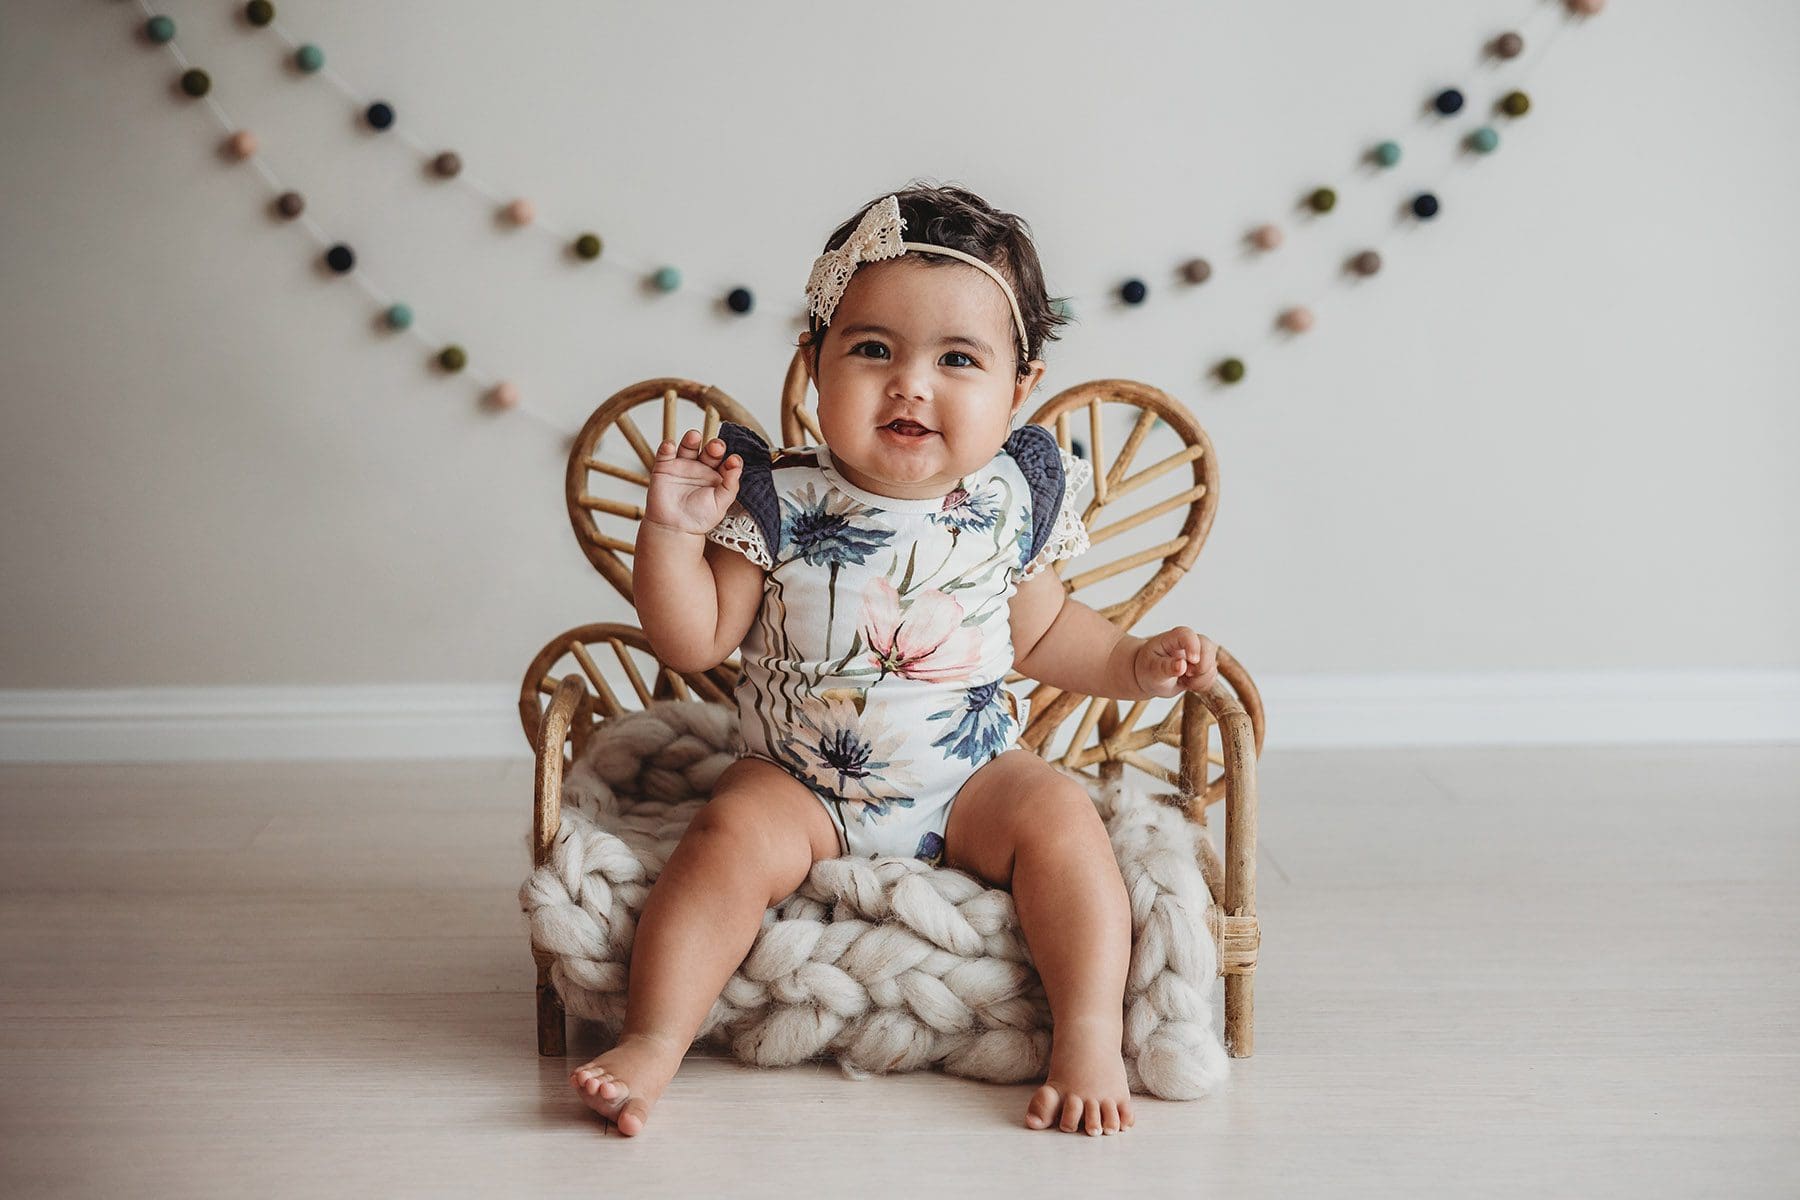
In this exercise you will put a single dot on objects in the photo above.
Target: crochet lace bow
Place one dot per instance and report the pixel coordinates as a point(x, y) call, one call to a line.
point(877, 236)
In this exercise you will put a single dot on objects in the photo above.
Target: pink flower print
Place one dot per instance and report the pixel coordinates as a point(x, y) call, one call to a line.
point(924, 640)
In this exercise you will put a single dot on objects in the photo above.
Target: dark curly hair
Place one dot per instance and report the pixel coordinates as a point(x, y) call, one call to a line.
point(955, 217)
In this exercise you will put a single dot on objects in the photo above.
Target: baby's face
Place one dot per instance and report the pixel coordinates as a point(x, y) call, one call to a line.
point(933, 344)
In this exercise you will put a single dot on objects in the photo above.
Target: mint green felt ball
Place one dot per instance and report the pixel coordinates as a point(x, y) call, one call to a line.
point(1388, 153)
point(667, 279)
point(1063, 309)
point(399, 316)
point(160, 29)
point(1484, 140)
point(309, 58)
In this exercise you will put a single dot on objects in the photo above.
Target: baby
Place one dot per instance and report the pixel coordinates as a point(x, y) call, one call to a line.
point(880, 588)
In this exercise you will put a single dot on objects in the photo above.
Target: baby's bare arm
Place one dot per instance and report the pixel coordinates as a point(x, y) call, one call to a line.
point(694, 602)
point(695, 599)
point(1060, 641)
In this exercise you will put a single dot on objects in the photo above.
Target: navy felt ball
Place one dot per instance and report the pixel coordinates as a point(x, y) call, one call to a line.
point(340, 258)
point(1448, 101)
point(1133, 291)
point(380, 114)
point(740, 300)
point(1425, 205)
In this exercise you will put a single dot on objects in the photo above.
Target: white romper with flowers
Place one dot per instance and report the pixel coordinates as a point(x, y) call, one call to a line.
point(874, 672)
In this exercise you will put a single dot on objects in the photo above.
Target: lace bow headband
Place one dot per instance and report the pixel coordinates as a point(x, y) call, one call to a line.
point(877, 236)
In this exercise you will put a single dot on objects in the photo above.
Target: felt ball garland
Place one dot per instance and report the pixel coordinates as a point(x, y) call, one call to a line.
point(379, 115)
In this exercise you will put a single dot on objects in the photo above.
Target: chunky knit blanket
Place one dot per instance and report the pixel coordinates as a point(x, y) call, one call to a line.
point(884, 964)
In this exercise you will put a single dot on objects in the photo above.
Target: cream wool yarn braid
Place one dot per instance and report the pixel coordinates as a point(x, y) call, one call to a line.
point(885, 964)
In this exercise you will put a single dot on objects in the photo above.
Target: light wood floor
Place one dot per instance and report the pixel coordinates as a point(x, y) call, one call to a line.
point(1485, 972)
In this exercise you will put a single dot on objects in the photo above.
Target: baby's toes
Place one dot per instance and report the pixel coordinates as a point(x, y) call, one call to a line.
point(1042, 1109)
point(1071, 1118)
point(1095, 1122)
point(631, 1118)
point(1109, 1116)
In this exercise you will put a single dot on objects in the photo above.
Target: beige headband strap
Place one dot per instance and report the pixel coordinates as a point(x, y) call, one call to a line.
point(877, 237)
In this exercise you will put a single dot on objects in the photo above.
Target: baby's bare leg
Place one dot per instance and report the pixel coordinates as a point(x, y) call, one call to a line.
point(1019, 824)
point(749, 847)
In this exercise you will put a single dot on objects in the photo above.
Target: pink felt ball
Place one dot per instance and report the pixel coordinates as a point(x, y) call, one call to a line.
point(1297, 320)
point(1587, 8)
point(242, 144)
point(505, 395)
point(521, 211)
point(1267, 237)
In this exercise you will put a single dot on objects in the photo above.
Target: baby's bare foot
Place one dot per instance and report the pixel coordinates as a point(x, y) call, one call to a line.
point(1086, 1080)
point(623, 1084)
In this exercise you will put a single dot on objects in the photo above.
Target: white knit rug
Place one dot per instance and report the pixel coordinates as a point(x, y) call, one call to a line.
point(884, 964)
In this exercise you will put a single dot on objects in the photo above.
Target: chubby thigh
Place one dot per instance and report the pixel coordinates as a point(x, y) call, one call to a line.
point(774, 816)
point(1013, 798)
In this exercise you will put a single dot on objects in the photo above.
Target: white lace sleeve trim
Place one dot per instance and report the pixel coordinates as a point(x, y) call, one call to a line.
point(740, 531)
point(1069, 536)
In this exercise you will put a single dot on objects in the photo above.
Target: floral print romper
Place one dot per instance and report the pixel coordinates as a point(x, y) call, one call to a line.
point(874, 672)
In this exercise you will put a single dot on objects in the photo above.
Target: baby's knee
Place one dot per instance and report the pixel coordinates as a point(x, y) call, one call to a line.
point(750, 840)
point(1065, 810)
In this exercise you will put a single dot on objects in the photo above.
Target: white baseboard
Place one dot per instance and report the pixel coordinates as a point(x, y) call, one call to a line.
point(1304, 712)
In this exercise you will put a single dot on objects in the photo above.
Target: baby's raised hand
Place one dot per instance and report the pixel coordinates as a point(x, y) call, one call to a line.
point(1177, 661)
point(692, 485)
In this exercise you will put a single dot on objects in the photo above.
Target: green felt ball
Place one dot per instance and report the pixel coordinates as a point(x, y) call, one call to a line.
point(1388, 153)
point(1484, 140)
point(259, 12)
point(588, 245)
point(1231, 370)
point(453, 358)
point(1063, 308)
point(309, 58)
point(399, 316)
point(1515, 104)
point(160, 29)
point(195, 82)
point(667, 279)
point(1322, 200)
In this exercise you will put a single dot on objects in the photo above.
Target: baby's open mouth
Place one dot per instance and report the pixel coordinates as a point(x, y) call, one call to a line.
point(907, 428)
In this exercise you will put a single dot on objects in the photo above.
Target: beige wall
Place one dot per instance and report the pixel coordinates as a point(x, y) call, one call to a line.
point(1559, 431)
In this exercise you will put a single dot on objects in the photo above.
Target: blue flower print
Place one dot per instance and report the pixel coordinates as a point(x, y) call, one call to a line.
point(963, 509)
point(931, 849)
point(851, 755)
point(981, 731)
point(822, 529)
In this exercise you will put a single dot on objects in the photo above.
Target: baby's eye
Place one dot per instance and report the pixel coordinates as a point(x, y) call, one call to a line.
point(856, 351)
